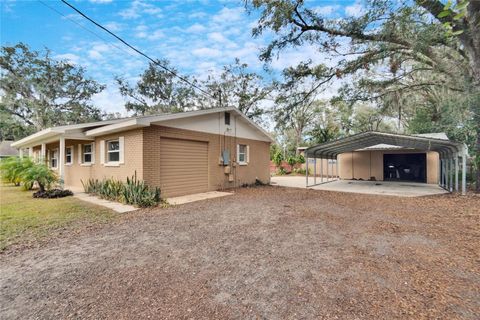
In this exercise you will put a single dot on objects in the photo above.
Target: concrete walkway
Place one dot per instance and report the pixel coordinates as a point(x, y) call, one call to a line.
point(197, 197)
point(391, 188)
point(115, 206)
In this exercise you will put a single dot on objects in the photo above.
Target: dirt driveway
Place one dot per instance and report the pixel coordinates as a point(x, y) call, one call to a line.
point(268, 252)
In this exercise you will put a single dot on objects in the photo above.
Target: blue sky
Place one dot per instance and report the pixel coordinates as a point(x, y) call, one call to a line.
point(198, 37)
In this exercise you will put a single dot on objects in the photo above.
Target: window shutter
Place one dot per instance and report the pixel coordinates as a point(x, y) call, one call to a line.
point(247, 156)
point(93, 152)
point(80, 153)
point(102, 151)
point(238, 153)
point(121, 153)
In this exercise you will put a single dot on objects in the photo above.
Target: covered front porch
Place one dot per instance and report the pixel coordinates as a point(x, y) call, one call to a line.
point(65, 149)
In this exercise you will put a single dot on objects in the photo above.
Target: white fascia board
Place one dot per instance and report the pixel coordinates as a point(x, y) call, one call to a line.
point(116, 127)
point(36, 137)
point(147, 120)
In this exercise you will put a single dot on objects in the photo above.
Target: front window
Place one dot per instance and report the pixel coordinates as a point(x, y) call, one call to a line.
point(113, 151)
point(68, 155)
point(87, 153)
point(242, 153)
point(54, 158)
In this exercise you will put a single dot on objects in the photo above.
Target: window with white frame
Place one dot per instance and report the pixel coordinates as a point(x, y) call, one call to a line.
point(87, 153)
point(242, 155)
point(68, 155)
point(113, 151)
point(54, 158)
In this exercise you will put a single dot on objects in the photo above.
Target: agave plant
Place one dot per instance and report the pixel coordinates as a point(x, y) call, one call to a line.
point(133, 191)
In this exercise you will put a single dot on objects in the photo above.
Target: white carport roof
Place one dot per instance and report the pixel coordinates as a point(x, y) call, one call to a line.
point(371, 138)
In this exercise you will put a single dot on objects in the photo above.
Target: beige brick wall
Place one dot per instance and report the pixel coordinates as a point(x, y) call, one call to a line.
point(76, 172)
point(142, 154)
point(368, 164)
point(133, 154)
point(258, 166)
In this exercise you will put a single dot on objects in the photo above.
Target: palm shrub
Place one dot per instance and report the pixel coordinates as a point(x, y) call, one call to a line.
point(41, 174)
point(12, 169)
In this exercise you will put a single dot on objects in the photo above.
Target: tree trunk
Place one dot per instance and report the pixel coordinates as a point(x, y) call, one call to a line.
point(41, 187)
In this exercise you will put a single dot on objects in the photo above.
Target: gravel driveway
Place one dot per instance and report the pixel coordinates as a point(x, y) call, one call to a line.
point(266, 252)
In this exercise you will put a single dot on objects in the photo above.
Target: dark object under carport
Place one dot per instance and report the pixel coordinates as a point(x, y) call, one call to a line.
point(405, 167)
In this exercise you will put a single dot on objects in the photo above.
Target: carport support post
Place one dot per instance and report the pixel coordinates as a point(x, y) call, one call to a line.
point(321, 170)
point(336, 165)
point(456, 172)
point(450, 180)
point(446, 173)
point(464, 172)
point(306, 171)
point(315, 169)
point(328, 176)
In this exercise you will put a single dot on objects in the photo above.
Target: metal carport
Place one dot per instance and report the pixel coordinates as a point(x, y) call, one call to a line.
point(449, 152)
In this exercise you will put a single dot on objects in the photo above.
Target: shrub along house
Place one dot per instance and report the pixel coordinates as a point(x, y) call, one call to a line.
point(182, 153)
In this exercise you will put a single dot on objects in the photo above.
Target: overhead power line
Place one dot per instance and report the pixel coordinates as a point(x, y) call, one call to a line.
point(154, 61)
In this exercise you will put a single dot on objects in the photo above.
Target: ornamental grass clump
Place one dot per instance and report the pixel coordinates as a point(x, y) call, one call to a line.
point(133, 191)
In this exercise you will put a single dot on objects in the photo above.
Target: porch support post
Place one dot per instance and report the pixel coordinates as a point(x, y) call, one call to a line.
point(61, 160)
point(456, 172)
point(20, 153)
point(464, 171)
point(315, 169)
point(43, 153)
point(30, 152)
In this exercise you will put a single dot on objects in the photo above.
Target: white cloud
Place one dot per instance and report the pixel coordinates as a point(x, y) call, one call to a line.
point(207, 52)
point(113, 26)
point(100, 1)
point(110, 100)
point(326, 10)
point(138, 8)
point(229, 15)
point(355, 10)
point(98, 51)
point(197, 14)
point(70, 57)
point(196, 28)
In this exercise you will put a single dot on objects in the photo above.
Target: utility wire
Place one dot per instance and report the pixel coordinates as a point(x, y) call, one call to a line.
point(154, 61)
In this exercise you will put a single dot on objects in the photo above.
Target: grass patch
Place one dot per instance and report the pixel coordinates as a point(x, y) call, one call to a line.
point(24, 219)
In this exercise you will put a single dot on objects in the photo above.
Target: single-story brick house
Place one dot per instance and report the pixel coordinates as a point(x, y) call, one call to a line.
point(182, 153)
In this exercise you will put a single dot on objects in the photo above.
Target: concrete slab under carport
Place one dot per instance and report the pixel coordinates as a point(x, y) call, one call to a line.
point(390, 188)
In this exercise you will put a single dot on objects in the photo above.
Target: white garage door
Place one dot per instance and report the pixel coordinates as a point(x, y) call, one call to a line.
point(183, 167)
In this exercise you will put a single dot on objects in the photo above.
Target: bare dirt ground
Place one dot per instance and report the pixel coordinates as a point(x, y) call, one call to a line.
point(267, 252)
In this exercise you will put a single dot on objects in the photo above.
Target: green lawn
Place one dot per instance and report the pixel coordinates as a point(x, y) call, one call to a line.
point(25, 219)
